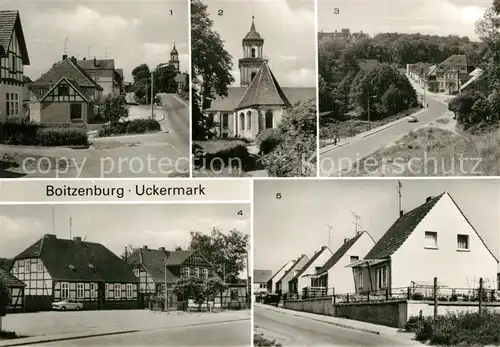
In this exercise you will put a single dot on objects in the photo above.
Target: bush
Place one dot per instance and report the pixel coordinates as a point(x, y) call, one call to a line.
point(268, 140)
point(215, 155)
point(44, 134)
point(62, 137)
point(136, 126)
point(417, 296)
point(412, 323)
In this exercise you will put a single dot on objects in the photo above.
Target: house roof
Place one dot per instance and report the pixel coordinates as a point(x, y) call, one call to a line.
point(66, 68)
point(281, 268)
point(293, 267)
point(174, 50)
point(453, 62)
point(73, 85)
point(253, 34)
point(10, 21)
point(6, 263)
point(10, 280)
point(180, 78)
point(264, 90)
point(96, 64)
point(339, 254)
point(261, 276)
point(311, 260)
point(75, 259)
point(476, 75)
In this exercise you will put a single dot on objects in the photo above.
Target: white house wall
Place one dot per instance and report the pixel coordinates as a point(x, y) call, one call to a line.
point(453, 268)
point(34, 274)
point(13, 91)
point(280, 274)
point(146, 282)
point(340, 276)
point(304, 280)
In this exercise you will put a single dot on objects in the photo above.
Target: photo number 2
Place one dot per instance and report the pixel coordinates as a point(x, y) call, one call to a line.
point(220, 12)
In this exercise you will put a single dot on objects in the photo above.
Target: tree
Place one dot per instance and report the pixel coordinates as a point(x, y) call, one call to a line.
point(4, 300)
point(142, 82)
point(211, 66)
point(462, 105)
point(227, 252)
point(213, 286)
point(113, 108)
point(190, 287)
point(164, 80)
point(129, 249)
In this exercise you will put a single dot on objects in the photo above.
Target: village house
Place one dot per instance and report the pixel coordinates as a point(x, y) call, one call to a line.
point(335, 273)
point(158, 269)
point(14, 285)
point(13, 58)
point(433, 240)
point(282, 283)
point(476, 82)
point(448, 76)
point(65, 93)
point(103, 72)
point(55, 269)
point(260, 102)
point(260, 279)
point(302, 278)
point(271, 283)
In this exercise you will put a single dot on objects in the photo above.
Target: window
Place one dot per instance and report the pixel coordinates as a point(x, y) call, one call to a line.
point(118, 291)
point(75, 111)
point(463, 242)
point(7, 104)
point(93, 290)
point(253, 54)
point(269, 119)
point(39, 266)
point(354, 258)
point(252, 76)
point(33, 266)
point(242, 121)
point(196, 272)
point(205, 273)
point(136, 272)
point(360, 279)
point(382, 277)
point(249, 120)
point(79, 291)
point(63, 90)
point(430, 239)
point(14, 65)
point(211, 118)
point(234, 294)
point(64, 290)
point(187, 271)
point(130, 291)
point(225, 121)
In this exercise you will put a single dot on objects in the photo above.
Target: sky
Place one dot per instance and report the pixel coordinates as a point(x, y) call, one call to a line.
point(116, 226)
point(133, 32)
point(298, 222)
point(435, 17)
point(289, 33)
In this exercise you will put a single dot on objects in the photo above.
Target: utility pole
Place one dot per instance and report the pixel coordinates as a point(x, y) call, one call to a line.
point(106, 53)
point(357, 217)
point(53, 220)
point(89, 50)
point(400, 187)
point(66, 45)
point(70, 226)
point(165, 279)
point(152, 103)
point(330, 228)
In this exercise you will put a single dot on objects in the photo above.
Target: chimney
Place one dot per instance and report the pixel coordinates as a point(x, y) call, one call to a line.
point(84, 58)
point(429, 198)
point(346, 239)
point(323, 248)
point(95, 62)
point(145, 247)
point(50, 236)
point(64, 56)
point(161, 249)
point(401, 213)
point(77, 238)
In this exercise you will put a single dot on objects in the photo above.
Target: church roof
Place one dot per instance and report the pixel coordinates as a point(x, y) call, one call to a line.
point(253, 34)
point(264, 90)
point(174, 50)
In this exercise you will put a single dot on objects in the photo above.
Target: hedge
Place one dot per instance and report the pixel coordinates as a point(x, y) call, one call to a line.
point(43, 134)
point(136, 126)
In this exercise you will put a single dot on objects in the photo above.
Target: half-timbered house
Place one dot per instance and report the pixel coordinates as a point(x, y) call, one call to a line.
point(13, 58)
point(54, 269)
point(16, 289)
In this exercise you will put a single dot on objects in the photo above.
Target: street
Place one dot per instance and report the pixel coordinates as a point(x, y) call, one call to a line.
point(160, 154)
point(216, 334)
point(337, 160)
point(297, 331)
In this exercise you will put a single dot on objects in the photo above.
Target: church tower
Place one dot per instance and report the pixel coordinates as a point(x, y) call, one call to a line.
point(252, 56)
point(174, 58)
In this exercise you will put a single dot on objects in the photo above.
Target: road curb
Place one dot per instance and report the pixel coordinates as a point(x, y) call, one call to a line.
point(334, 147)
point(181, 101)
point(345, 326)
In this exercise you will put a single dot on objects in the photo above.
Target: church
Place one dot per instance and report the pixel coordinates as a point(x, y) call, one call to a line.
point(182, 77)
point(259, 102)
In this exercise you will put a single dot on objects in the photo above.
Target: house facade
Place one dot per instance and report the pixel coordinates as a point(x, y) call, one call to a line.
point(158, 269)
point(448, 76)
point(16, 290)
point(282, 284)
point(65, 93)
point(260, 279)
point(335, 273)
point(302, 278)
point(103, 72)
point(55, 269)
point(271, 283)
point(433, 240)
point(13, 58)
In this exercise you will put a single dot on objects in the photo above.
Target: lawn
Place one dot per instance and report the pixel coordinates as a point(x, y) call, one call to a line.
point(435, 152)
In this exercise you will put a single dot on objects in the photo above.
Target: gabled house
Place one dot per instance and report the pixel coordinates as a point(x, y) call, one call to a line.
point(433, 240)
point(16, 289)
point(103, 72)
point(302, 277)
point(158, 269)
point(54, 269)
point(65, 93)
point(335, 273)
point(271, 283)
point(282, 283)
point(260, 278)
point(13, 58)
point(449, 75)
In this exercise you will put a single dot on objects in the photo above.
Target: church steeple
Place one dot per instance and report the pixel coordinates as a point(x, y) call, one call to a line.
point(253, 53)
point(174, 58)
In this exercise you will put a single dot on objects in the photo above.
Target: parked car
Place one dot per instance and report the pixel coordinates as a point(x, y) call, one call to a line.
point(67, 305)
point(412, 119)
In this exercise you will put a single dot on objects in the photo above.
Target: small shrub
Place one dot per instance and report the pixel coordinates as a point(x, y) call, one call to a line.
point(423, 329)
point(220, 154)
point(260, 340)
point(412, 323)
point(268, 140)
point(418, 296)
point(44, 134)
point(141, 126)
point(62, 137)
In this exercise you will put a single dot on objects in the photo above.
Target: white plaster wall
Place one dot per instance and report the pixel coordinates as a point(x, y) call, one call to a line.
point(304, 280)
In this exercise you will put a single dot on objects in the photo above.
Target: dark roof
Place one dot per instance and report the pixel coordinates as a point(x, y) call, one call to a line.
point(10, 280)
point(119, 72)
point(262, 276)
point(339, 254)
point(264, 90)
point(400, 231)
point(97, 64)
point(10, 21)
point(75, 260)
point(6, 263)
point(70, 69)
point(253, 34)
point(303, 256)
point(311, 260)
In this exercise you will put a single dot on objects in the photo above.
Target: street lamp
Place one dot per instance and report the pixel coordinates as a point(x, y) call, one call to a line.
point(152, 83)
point(369, 98)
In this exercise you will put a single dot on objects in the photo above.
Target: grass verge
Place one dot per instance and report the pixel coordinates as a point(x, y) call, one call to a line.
point(261, 340)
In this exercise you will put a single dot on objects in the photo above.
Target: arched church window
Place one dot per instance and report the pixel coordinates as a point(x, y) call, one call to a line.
point(249, 120)
point(211, 118)
point(269, 119)
point(253, 75)
point(253, 52)
point(225, 121)
point(242, 121)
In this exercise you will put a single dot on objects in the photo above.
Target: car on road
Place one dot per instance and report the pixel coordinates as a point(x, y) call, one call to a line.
point(412, 119)
point(67, 305)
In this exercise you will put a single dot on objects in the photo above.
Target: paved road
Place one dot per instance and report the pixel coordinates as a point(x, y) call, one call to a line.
point(217, 334)
point(333, 162)
point(298, 331)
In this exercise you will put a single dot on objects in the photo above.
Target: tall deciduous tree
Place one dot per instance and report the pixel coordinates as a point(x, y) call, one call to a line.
point(211, 66)
point(113, 108)
point(226, 251)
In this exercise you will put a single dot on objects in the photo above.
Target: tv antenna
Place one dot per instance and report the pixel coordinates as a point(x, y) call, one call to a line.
point(330, 228)
point(357, 217)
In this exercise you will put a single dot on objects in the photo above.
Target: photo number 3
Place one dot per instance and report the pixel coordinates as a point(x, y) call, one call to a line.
point(336, 11)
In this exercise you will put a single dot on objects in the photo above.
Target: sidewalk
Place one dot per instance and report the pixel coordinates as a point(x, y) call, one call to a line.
point(342, 322)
